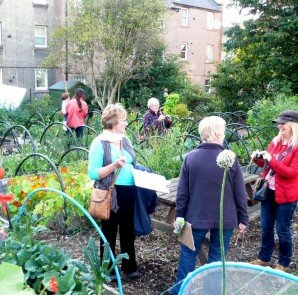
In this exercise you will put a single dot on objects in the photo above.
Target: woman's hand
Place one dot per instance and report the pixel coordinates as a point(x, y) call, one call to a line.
point(161, 117)
point(266, 156)
point(241, 228)
point(120, 162)
point(254, 153)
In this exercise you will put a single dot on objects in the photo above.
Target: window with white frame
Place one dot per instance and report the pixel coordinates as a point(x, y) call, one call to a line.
point(41, 79)
point(0, 33)
point(209, 53)
point(80, 79)
point(40, 36)
point(183, 51)
point(208, 86)
point(210, 20)
point(184, 17)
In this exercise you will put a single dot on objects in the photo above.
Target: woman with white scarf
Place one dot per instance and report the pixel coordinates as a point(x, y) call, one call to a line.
point(110, 151)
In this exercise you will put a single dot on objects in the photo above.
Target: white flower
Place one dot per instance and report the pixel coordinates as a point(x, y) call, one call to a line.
point(225, 159)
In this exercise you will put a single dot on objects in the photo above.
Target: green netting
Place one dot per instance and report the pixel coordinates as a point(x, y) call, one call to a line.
point(241, 279)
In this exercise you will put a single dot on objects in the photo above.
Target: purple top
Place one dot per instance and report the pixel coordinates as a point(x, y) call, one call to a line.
point(199, 188)
point(151, 123)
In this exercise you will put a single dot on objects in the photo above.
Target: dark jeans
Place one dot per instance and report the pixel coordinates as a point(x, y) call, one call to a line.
point(281, 215)
point(79, 131)
point(187, 259)
point(124, 219)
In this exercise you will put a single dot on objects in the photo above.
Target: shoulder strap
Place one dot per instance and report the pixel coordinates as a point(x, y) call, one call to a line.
point(280, 157)
point(107, 160)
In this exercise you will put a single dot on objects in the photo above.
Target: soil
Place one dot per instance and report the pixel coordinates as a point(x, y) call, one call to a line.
point(158, 254)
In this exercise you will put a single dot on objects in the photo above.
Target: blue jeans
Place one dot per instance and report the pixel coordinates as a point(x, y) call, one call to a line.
point(281, 215)
point(187, 259)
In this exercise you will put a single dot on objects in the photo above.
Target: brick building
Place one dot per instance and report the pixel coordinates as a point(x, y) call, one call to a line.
point(192, 30)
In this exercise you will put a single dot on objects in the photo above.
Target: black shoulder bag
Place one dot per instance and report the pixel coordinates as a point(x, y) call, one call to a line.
point(261, 186)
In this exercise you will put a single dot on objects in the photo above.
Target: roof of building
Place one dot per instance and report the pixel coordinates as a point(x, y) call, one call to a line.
point(205, 4)
point(69, 84)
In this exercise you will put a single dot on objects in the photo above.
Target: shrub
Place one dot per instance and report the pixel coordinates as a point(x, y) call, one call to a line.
point(163, 154)
point(180, 110)
point(264, 111)
point(172, 101)
point(199, 101)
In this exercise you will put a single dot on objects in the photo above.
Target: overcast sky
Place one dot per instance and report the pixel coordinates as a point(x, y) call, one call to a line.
point(232, 15)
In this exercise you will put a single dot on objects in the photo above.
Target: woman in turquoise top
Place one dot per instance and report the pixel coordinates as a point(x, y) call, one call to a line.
point(114, 148)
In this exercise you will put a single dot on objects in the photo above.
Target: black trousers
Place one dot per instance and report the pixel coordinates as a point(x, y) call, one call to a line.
point(124, 219)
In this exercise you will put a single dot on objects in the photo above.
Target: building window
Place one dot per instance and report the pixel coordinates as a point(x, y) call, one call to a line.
point(80, 79)
point(209, 53)
point(41, 79)
point(183, 51)
point(40, 36)
point(0, 33)
point(208, 85)
point(210, 20)
point(184, 17)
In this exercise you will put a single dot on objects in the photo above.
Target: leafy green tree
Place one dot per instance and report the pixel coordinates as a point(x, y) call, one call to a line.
point(264, 55)
point(198, 100)
point(106, 41)
point(165, 72)
point(264, 111)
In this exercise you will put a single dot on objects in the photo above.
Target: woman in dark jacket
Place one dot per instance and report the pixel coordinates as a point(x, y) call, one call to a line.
point(198, 197)
point(154, 119)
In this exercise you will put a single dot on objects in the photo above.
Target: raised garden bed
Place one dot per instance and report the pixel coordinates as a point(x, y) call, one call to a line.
point(158, 254)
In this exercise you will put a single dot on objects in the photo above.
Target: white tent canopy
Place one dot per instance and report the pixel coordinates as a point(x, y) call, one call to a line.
point(11, 96)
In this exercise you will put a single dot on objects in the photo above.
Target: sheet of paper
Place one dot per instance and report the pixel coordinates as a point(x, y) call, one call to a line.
point(186, 237)
point(151, 181)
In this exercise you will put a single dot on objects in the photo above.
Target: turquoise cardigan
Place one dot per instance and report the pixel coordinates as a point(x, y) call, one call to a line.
point(125, 176)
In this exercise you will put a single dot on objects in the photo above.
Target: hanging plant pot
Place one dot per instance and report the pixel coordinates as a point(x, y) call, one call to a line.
point(2, 172)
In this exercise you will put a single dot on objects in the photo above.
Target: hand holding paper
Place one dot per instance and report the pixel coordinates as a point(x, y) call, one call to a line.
point(186, 237)
point(151, 181)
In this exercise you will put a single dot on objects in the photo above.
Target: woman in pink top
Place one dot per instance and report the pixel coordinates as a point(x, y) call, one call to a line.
point(77, 110)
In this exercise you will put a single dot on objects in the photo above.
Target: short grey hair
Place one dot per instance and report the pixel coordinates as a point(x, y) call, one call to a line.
point(212, 129)
point(152, 101)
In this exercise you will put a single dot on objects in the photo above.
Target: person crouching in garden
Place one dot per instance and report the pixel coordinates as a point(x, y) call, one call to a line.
point(77, 110)
point(154, 119)
point(114, 148)
point(281, 175)
point(198, 197)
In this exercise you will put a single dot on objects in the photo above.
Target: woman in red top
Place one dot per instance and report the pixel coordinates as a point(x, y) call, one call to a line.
point(77, 110)
point(281, 174)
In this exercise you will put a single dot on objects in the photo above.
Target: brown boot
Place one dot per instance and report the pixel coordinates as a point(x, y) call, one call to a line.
point(281, 267)
point(260, 262)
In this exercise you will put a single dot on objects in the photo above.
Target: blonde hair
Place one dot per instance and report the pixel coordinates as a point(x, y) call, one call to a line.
point(212, 129)
point(152, 101)
point(65, 95)
point(294, 139)
point(111, 115)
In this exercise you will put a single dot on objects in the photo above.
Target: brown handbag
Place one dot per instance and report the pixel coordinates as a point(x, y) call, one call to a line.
point(100, 200)
point(100, 203)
